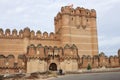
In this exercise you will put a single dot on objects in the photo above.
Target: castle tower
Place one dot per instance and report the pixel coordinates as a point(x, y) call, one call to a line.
point(78, 26)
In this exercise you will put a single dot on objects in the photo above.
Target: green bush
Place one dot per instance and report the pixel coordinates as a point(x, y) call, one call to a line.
point(89, 67)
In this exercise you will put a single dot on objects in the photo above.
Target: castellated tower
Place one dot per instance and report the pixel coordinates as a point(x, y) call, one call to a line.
point(78, 26)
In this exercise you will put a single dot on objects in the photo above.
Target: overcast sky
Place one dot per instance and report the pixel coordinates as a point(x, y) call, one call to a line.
point(39, 15)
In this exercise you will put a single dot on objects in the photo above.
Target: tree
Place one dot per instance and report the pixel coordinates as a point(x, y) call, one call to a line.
point(89, 67)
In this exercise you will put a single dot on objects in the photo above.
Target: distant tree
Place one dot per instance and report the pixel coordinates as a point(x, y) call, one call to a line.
point(89, 67)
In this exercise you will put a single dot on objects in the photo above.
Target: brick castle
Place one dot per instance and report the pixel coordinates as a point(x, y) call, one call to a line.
point(73, 46)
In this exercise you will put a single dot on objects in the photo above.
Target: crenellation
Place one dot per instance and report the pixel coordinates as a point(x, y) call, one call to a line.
point(21, 33)
point(77, 11)
point(7, 33)
point(32, 34)
point(14, 33)
point(58, 22)
point(43, 52)
point(83, 11)
point(45, 35)
point(59, 16)
point(93, 13)
point(52, 35)
point(26, 32)
point(50, 51)
point(1, 32)
point(88, 13)
point(38, 34)
point(11, 35)
point(66, 10)
point(72, 12)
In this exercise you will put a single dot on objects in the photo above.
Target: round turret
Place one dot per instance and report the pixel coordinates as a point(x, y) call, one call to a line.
point(93, 13)
point(83, 12)
point(32, 34)
point(66, 10)
point(7, 32)
point(26, 32)
point(59, 15)
point(1, 31)
point(45, 35)
point(77, 11)
point(72, 11)
point(87, 13)
point(14, 32)
point(21, 33)
point(51, 35)
point(38, 34)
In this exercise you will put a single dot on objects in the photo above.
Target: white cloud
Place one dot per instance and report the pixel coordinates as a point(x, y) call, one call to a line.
point(109, 45)
point(112, 41)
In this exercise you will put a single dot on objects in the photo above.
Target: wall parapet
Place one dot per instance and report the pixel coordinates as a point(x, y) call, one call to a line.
point(78, 11)
point(27, 33)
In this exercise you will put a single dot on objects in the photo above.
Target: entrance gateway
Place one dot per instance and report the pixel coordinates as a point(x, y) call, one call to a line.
point(53, 67)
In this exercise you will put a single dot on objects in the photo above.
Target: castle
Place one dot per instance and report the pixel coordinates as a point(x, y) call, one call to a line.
point(73, 46)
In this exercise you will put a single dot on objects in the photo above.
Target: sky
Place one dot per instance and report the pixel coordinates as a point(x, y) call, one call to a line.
point(39, 15)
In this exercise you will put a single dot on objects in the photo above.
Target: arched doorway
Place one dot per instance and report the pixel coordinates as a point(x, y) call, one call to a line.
point(53, 67)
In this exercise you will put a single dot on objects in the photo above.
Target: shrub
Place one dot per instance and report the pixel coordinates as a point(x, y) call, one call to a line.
point(89, 67)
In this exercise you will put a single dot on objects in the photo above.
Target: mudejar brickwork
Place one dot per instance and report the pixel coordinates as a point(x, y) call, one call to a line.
point(71, 47)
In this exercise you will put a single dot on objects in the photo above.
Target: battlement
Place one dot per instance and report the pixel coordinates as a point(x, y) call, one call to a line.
point(80, 11)
point(26, 33)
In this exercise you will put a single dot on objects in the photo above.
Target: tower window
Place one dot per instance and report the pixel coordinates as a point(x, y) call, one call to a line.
point(87, 20)
point(80, 11)
point(72, 11)
point(72, 18)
